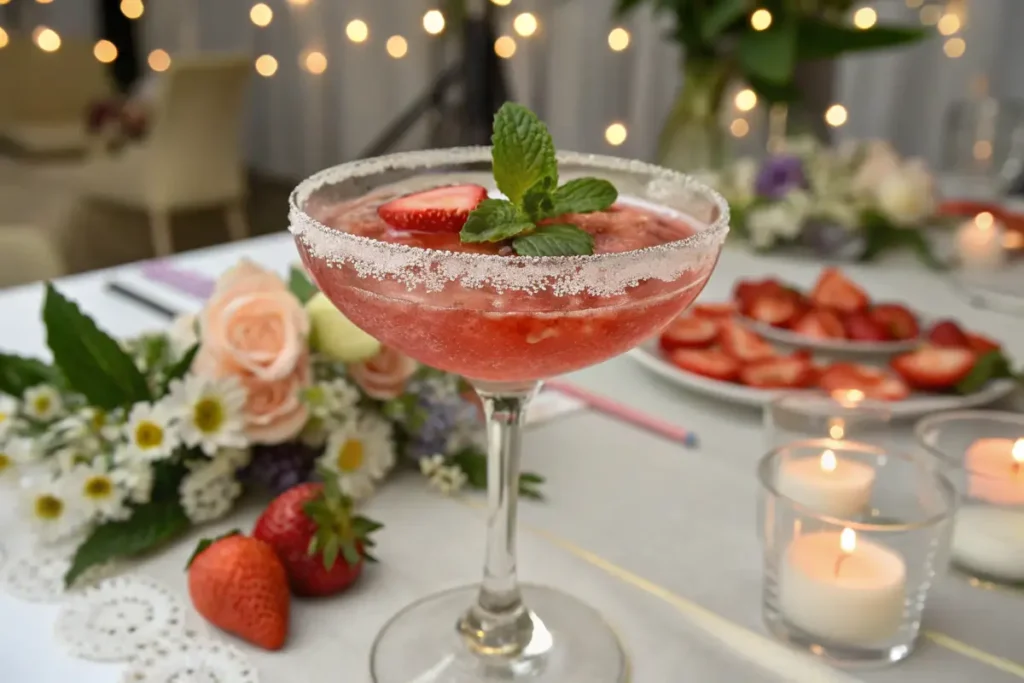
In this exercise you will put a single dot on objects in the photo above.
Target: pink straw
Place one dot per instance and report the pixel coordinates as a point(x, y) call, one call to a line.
point(626, 414)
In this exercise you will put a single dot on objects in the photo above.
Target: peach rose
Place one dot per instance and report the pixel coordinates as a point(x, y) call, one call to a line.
point(254, 329)
point(384, 376)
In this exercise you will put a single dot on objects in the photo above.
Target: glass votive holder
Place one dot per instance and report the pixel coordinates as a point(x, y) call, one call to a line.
point(841, 416)
point(982, 452)
point(850, 551)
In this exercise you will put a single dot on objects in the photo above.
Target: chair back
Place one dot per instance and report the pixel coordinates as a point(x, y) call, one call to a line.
point(27, 255)
point(194, 155)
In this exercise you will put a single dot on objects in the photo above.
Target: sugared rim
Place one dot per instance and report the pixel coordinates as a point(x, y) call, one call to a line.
point(300, 221)
point(923, 427)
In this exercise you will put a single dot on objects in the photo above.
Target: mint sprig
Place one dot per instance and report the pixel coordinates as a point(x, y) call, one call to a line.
point(526, 172)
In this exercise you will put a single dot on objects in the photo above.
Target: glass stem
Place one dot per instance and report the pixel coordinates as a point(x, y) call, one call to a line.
point(499, 624)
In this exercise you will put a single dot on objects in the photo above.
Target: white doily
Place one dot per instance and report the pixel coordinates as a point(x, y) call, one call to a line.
point(188, 660)
point(36, 578)
point(111, 621)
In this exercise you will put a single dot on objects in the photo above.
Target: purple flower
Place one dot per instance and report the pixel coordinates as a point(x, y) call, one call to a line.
point(440, 410)
point(278, 468)
point(779, 175)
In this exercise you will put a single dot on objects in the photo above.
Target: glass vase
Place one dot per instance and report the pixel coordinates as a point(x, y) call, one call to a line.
point(692, 138)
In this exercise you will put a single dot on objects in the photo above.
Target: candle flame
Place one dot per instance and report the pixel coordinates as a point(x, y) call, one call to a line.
point(837, 429)
point(1018, 451)
point(848, 541)
point(828, 461)
point(985, 220)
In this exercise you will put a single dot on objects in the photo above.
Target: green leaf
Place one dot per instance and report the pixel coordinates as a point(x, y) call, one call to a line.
point(332, 546)
point(494, 220)
point(300, 285)
point(720, 16)
point(181, 367)
point(555, 240)
point(538, 202)
point(150, 525)
point(623, 7)
point(770, 55)
point(992, 365)
point(363, 526)
point(93, 362)
point(351, 553)
point(774, 93)
point(584, 195)
point(822, 39)
point(523, 152)
point(18, 373)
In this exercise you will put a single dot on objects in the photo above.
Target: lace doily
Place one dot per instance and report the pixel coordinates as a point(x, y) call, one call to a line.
point(114, 619)
point(189, 660)
point(36, 578)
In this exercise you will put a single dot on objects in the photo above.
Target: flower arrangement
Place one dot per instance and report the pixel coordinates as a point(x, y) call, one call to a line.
point(121, 446)
point(856, 200)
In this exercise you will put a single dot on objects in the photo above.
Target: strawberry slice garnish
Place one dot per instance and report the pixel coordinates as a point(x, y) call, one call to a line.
point(834, 290)
point(689, 333)
point(775, 309)
point(714, 311)
point(742, 344)
point(934, 368)
point(898, 321)
point(981, 344)
point(779, 373)
point(707, 363)
point(947, 333)
point(861, 326)
point(820, 324)
point(874, 383)
point(442, 209)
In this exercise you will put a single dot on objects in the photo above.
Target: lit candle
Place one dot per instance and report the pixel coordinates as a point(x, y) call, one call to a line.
point(989, 533)
point(836, 586)
point(979, 242)
point(833, 486)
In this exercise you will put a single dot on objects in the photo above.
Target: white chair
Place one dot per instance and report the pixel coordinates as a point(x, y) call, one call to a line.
point(27, 254)
point(191, 157)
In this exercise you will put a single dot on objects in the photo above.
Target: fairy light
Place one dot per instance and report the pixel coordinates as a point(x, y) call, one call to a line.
point(930, 15)
point(949, 24)
point(618, 39)
point(159, 60)
point(505, 47)
point(761, 19)
point(104, 51)
point(132, 9)
point(266, 65)
point(357, 31)
point(865, 18)
point(525, 24)
point(616, 134)
point(44, 2)
point(47, 39)
point(836, 115)
point(985, 220)
point(298, 3)
point(397, 46)
point(954, 48)
point(501, 3)
point(746, 99)
point(739, 128)
point(261, 14)
point(4, 39)
point(982, 150)
point(433, 22)
point(315, 62)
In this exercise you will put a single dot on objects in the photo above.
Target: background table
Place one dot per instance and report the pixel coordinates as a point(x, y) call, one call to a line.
point(659, 538)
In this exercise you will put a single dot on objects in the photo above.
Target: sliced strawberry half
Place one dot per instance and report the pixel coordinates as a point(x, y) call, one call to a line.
point(860, 326)
point(836, 291)
point(820, 324)
point(934, 368)
point(742, 344)
point(874, 383)
point(981, 344)
point(777, 309)
point(443, 209)
point(948, 334)
point(710, 363)
point(689, 333)
point(748, 290)
point(779, 373)
point(714, 311)
point(898, 321)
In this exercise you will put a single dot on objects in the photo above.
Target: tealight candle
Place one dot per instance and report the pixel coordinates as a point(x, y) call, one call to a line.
point(833, 486)
point(833, 587)
point(979, 242)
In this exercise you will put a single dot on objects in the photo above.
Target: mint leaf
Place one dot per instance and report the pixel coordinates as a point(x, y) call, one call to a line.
point(93, 362)
point(584, 195)
point(523, 152)
point(494, 220)
point(992, 365)
point(300, 286)
point(555, 240)
point(539, 202)
point(18, 373)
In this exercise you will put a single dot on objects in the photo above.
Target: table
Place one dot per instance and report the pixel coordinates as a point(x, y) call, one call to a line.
point(659, 538)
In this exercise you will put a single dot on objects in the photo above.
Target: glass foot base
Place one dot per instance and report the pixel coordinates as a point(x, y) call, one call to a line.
point(571, 644)
point(836, 654)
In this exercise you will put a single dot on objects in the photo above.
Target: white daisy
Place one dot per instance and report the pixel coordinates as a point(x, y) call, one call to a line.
point(150, 432)
point(210, 412)
point(43, 403)
point(448, 479)
point(136, 480)
point(22, 450)
point(8, 414)
point(8, 466)
point(360, 453)
point(331, 401)
point(52, 513)
point(71, 458)
point(209, 491)
point(98, 491)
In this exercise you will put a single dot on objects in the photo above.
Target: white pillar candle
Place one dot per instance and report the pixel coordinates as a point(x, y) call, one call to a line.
point(843, 589)
point(832, 486)
point(979, 242)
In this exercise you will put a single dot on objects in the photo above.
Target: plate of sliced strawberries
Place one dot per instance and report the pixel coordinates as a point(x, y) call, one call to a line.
point(709, 350)
point(836, 315)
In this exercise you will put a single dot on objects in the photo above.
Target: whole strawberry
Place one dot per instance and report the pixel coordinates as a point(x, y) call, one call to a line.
point(237, 583)
point(321, 544)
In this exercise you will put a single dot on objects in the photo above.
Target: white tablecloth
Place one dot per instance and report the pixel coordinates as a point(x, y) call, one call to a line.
point(661, 539)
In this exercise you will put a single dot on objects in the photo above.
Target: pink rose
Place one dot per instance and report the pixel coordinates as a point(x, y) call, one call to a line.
point(384, 376)
point(254, 329)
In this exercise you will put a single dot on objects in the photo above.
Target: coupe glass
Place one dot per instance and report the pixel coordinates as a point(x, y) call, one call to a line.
point(505, 324)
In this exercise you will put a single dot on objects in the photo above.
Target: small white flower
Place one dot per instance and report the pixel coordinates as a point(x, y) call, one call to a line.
point(150, 432)
point(448, 480)
point(907, 197)
point(52, 513)
point(430, 465)
point(136, 480)
point(22, 450)
point(360, 453)
point(43, 403)
point(98, 491)
point(8, 414)
point(184, 333)
point(331, 401)
point(210, 412)
point(209, 491)
point(70, 458)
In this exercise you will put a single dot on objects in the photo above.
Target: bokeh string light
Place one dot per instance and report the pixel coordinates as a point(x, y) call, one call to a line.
point(397, 47)
point(761, 19)
point(836, 115)
point(616, 134)
point(47, 39)
point(930, 15)
point(949, 24)
point(525, 24)
point(133, 9)
point(618, 39)
point(433, 22)
point(954, 48)
point(4, 38)
point(357, 31)
point(501, 3)
point(266, 65)
point(865, 18)
point(261, 14)
point(505, 47)
point(159, 60)
point(739, 128)
point(745, 100)
point(315, 62)
point(104, 51)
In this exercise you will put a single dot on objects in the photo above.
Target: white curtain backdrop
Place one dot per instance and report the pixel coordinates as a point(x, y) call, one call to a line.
point(299, 122)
